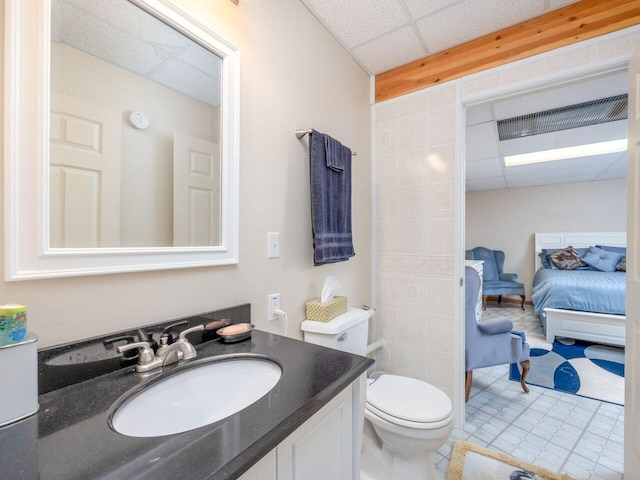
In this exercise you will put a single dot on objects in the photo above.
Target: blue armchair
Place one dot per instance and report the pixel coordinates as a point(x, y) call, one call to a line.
point(494, 281)
point(489, 342)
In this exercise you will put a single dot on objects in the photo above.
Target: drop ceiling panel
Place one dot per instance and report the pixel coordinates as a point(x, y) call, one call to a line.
point(472, 19)
point(479, 114)
point(485, 168)
point(560, 176)
point(594, 164)
point(390, 51)
point(482, 141)
point(184, 78)
point(102, 40)
point(493, 183)
point(618, 169)
point(420, 8)
point(354, 22)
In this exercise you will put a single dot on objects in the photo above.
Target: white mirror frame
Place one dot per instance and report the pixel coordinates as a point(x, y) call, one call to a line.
point(26, 155)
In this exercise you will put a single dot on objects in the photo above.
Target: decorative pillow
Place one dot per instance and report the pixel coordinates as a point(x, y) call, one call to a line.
point(546, 262)
point(566, 259)
point(601, 259)
point(622, 265)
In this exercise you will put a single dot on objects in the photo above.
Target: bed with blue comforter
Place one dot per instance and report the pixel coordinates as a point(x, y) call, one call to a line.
point(581, 290)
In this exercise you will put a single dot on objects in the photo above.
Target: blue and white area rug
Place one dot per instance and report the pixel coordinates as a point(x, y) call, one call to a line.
point(584, 368)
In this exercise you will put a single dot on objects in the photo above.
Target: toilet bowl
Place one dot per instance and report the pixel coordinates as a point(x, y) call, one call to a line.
point(405, 421)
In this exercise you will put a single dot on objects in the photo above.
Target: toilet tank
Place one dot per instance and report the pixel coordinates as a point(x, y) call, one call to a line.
point(347, 332)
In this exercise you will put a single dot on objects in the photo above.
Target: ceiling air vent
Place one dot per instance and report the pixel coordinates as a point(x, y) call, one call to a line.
point(595, 112)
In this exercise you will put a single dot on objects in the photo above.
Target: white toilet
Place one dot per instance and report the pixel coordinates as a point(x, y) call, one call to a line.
point(405, 419)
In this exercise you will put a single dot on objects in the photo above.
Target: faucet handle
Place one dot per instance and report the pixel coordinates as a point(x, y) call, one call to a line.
point(184, 333)
point(119, 338)
point(168, 328)
point(146, 355)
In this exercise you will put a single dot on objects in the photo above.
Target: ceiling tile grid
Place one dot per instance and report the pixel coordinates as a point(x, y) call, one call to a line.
point(384, 34)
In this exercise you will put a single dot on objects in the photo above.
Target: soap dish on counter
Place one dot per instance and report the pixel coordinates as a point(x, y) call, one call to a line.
point(236, 332)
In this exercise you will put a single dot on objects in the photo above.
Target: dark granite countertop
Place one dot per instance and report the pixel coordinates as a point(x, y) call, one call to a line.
point(70, 438)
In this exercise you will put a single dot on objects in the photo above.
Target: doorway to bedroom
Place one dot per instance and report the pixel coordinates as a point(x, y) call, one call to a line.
point(505, 207)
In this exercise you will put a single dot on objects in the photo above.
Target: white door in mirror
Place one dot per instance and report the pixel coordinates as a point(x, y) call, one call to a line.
point(139, 120)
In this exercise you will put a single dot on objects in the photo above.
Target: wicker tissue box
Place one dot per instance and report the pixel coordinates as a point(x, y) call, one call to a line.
point(325, 312)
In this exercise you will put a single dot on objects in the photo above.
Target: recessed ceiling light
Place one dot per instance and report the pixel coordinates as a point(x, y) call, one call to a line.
point(577, 151)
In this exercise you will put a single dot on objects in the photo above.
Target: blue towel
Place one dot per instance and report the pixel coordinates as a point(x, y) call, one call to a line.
point(337, 155)
point(330, 167)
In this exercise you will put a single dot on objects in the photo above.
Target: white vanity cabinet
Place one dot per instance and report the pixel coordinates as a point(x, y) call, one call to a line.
point(324, 447)
point(265, 469)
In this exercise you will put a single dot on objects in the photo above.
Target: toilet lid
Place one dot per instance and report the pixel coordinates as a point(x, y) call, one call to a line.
point(408, 399)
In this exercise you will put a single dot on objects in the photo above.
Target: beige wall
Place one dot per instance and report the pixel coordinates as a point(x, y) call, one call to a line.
point(293, 75)
point(507, 219)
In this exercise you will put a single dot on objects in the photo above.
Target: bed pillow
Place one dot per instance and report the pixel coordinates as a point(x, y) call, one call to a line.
point(602, 260)
point(544, 260)
point(621, 250)
point(566, 259)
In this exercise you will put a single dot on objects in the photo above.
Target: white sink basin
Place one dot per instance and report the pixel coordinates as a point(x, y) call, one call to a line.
point(196, 396)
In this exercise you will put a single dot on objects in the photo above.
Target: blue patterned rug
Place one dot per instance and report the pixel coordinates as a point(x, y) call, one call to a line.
point(584, 368)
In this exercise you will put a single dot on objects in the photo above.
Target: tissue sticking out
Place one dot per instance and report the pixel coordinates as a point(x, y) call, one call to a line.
point(329, 289)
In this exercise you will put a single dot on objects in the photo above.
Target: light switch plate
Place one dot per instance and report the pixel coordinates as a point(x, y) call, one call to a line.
point(273, 247)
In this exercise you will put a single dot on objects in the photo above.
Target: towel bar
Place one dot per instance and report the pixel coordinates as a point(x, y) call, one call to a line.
point(301, 133)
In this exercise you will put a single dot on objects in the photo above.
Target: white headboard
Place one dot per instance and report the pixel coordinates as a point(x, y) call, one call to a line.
point(560, 240)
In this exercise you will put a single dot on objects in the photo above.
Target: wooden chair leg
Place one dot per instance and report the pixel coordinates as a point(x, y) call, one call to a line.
point(522, 304)
point(526, 366)
point(468, 378)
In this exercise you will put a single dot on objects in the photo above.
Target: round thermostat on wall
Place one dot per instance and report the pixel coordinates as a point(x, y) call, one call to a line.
point(139, 120)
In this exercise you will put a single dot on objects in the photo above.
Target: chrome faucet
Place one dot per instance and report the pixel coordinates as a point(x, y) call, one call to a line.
point(147, 361)
point(181, 349)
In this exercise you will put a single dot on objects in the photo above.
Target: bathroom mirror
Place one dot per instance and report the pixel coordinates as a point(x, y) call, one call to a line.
point(121, 139)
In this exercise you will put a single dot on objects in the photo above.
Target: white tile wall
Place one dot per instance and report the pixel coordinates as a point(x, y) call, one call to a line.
point(414, 234)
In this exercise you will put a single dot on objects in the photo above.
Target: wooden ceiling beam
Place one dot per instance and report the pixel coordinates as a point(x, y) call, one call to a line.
point(565, 26)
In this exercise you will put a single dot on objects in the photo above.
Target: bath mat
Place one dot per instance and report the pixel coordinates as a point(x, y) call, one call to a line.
point(582, 368)
point(472, 462)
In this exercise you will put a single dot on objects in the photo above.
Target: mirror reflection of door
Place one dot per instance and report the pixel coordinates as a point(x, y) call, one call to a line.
point(196, 191)
point(114, 56)
point(84, 174)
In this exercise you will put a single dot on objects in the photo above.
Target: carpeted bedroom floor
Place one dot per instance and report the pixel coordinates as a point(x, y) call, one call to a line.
point(558, 431)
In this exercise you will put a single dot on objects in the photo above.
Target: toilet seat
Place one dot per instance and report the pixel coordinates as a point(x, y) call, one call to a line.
point(408, 402)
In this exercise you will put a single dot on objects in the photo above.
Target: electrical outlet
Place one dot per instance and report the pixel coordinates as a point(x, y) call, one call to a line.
point(274, 304)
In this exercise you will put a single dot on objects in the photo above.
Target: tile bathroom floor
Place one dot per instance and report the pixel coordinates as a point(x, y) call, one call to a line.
point(561, 432)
